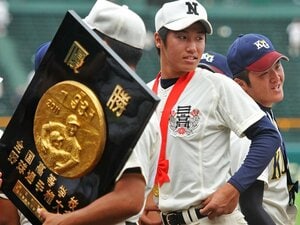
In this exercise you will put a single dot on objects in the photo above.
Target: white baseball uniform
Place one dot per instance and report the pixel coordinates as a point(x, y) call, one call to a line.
point(276, 195)
point(198, 149)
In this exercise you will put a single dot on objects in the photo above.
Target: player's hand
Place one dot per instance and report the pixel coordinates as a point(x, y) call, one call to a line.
point(150, 217)
point(151, 214)
point(51, 218)
point(222, 201)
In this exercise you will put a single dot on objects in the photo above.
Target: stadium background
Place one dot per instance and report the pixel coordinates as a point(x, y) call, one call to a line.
point(33, 22)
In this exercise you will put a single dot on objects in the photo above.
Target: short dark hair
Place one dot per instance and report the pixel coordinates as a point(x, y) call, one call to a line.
point(244, 75)
point(163, 32)
point(129, 54)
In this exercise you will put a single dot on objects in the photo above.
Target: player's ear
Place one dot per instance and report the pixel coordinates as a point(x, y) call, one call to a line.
point(241, 82)
point(157, 40)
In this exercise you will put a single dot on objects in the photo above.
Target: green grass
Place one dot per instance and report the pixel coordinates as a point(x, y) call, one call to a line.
point(298, 206)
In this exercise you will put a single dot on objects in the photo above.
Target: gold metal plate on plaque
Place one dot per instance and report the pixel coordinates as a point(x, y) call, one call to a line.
point(69, 129)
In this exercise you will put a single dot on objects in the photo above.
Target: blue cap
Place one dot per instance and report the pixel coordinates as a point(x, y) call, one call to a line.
point(252, 52)
point(40, 52)
point(215, 62)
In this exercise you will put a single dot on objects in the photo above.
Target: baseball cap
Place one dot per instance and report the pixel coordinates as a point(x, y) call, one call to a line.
point(117, 22)
point(215, 62)
point(72, 119)
point(253, 52)
point(180, 14)
point(40, 52)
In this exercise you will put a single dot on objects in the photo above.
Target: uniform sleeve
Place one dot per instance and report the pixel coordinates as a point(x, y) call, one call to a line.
point(236, 108)
point(239, 148)
point(3, 196)
point(265, 140)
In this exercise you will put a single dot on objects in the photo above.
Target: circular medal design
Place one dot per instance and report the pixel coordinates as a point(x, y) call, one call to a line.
point(69, 129)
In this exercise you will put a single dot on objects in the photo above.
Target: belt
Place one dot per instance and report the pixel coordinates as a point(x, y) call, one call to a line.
point(182, 217)
point(129, 223)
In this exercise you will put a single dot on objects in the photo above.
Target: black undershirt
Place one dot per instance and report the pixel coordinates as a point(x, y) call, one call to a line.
point(165, 83)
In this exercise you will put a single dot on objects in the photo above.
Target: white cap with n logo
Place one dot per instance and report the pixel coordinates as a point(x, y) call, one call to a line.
point(180, 14)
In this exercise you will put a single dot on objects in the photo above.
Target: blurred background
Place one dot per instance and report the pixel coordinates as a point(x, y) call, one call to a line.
point(25, 24)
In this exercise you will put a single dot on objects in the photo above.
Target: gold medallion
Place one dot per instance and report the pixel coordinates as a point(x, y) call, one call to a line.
point(69, 129)
point(155, 190)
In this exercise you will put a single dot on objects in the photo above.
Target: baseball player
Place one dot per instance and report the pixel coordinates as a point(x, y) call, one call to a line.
point(216, 63)
point(124, 204)
point(257, 68)
point(196, 115)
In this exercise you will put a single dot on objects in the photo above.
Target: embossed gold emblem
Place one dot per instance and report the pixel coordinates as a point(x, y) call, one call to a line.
point(75, 57)
point(69, 129)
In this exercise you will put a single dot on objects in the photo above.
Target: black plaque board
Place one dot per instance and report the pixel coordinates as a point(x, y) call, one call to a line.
point(27, 181)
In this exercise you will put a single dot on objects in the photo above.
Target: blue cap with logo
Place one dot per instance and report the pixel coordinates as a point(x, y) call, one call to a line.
point(215, 62)
point(252, 52)
point(40, 52)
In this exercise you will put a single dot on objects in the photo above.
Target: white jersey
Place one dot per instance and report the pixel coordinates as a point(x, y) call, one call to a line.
point(198, 150)
point(145, 156)
point(276, 195)
point(23, 219)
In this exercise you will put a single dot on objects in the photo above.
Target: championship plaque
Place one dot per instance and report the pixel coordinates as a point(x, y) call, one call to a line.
point(75, 126)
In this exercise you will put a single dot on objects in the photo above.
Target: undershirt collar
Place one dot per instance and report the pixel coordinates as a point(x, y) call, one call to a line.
point(165, 83)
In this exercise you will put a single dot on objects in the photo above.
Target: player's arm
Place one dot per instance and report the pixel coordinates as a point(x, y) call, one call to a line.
point(8, 212)
point(251, 203)
point(265, 140)
point(124, 201)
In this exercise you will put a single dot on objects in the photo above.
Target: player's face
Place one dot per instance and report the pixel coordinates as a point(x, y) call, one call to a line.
point(267, 87)
point(183, 50)
point(72, 129)
point(57, 144)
